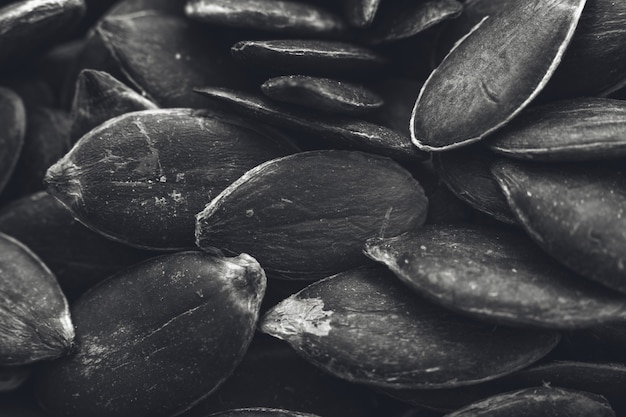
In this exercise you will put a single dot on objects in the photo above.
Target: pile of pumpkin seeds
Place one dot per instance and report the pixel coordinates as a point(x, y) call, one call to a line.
point(312, 208)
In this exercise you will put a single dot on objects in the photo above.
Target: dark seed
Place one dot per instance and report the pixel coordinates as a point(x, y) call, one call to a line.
point(476, 89)
point(364, 326)
point(312, 202)
point(575, 213)
point(141, 177)
point(323, 94)
point(156, 338)
point(495, 275)
point(13, 122)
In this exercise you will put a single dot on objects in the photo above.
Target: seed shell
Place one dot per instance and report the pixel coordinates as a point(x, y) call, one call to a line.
point(546, 401)
point(156, 338)
point(322, 202)
point(13, 122)
point(141, 177)
point(364, 326)
point(575, 213)
point(286, 17)
point(573, 130)
point(323, 94)
point(496, 275)
point(99, 97)
point(476, 90)
point(341, 131)
point(298, 56)
point(35, 320)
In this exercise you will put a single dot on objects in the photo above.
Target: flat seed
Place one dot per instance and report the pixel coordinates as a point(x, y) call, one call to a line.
point(318, 202)
point(545, 401)
point(574, 130)
point(308, 56)
point(476, 90)
point(342, 131)
point(78, 257)
point(31, 24)
point(496, 275)
point(35, 317)
point(360, 13)
point(323, 94)
point(156, 338)
point(13, 122)
point(165, 57)
point(140, 178)
point(405, 18)
point(466, 173)
point(261, 412)
point(575, 213)
point(287, 17)
point(99, 97)
point(364, 326)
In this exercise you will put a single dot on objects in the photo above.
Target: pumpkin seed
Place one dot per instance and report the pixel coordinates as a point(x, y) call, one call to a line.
point(575, 213)
point(323, 94)
point(364, 326)
point(139, 178)
point(156, 338)
point(261, 412)
point(495, 275)
point(341, 131)
point(280, 16)
point(99, 97)
point(478, 89)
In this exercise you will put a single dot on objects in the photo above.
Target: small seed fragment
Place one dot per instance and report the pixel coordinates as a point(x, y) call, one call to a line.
point(35, 321)
point(364, 326)
point(575, 213)
point(478, 89)
point(155, 339)
point(573, 130)
point(341, 131)
point(279, 16)
point(495, 275)
point(323, 94)
point(545, 401)
point(140, 178)
point(317, 202)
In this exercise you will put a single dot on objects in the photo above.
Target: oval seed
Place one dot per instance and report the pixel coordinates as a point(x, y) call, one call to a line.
point(364, 326)
point(323, 94)
point(574, 130)
point(320, 202)
point(575, 213)
point(477, 89)
point(287, 17)
point(140, 178)
point(495, 275)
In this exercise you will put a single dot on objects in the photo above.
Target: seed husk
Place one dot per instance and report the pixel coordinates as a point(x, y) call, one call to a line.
point(476, 90)
point(78, 257)
point(141, 177)
point(318, 202)
point(364, 326)
point(466, 173)
point(573, 130)
point(545, 401)
point(156, 338)
point(35, 319)
point(278, 16)
point(299, 56)
point(165, 57)
point(341, 131)
point(495, 275)
point(13, 122)
point(405, 18)
point(322, 94)
point(272, 375)
point(99, 97)
point(575, 213)
point(32, 24)
point(360, 13)
point(261, 412)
